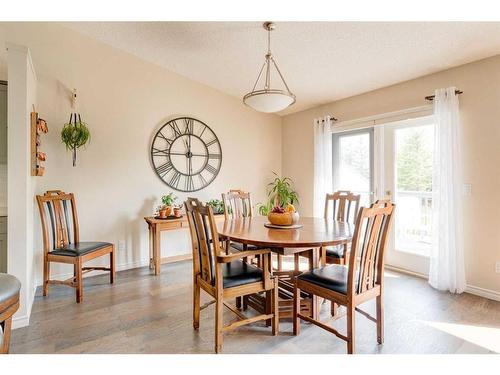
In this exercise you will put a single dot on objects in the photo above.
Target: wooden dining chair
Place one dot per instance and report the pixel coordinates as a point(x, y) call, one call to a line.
point(10, 288)
point(224, 276)
point(361, 281)
point(345, 207)
point(61, 242)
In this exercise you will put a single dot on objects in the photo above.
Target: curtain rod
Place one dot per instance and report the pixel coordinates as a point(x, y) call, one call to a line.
point(431, 97)
point(331, 118)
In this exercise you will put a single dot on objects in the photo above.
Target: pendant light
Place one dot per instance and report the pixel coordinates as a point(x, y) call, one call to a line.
point(269, 99)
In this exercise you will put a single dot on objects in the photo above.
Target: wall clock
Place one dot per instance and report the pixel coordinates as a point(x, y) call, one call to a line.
point(186, 154)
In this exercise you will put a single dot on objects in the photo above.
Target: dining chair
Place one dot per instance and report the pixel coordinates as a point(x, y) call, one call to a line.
point(61, 242)
point(9, 303)
point(361, 281)
point(225, 276)
point(345, 207)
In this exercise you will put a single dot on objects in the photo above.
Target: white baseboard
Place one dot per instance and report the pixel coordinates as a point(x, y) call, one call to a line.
point(481, 292)
point(471, 289)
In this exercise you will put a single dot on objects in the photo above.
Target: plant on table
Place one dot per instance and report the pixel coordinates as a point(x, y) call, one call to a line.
point(167, 201)
point(217, 206)
point(282, 196)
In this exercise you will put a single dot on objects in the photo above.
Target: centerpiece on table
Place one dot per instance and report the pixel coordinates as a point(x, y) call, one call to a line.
point(280, 209)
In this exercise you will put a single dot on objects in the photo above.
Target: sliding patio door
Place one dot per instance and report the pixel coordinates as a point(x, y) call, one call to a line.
point(409, 147)
point(353, 163)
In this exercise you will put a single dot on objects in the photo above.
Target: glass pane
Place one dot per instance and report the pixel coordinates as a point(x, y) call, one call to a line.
point(414, 153)
point(354, 165)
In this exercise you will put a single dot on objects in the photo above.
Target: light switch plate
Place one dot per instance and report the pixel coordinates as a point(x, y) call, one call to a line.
point(467, 189)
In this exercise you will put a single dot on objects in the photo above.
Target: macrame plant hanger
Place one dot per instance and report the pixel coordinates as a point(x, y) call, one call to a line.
point(73, 117)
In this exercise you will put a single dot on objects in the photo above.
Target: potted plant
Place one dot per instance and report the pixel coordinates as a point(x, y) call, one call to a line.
point(217, 206)
point(167, 201)
point(75, 134)
point(280, 208)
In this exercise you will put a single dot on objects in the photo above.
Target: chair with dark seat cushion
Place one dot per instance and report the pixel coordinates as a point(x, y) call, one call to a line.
point(224, 276)
point(61, 241)
point(345, 207)
point(9, 304)
point(357, 283)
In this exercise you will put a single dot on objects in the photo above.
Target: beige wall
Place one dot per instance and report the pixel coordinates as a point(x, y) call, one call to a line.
point(124, 100)
point(480, 114)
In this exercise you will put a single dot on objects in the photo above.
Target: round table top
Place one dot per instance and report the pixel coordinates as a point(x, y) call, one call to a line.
point(315, 232)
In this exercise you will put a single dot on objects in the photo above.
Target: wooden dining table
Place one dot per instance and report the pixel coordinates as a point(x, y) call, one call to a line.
point(308, 241)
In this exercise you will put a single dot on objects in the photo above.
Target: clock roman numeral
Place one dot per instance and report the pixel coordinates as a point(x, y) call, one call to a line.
point(163, 169)
point(158, 152)
point(189, 183)
point(175, 128)
point(214, 156)
point(169, 141)
point(203, 131)
point(175, 179)
point(188, 129)
point(211, 169)
point(203, 182)
point(211, 142)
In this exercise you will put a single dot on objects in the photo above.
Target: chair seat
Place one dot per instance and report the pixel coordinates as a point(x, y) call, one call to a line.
point(238, 273)
point(335, 251)
point(79, 249)
point(333, 277)
point(239, 246)
point(9, 287)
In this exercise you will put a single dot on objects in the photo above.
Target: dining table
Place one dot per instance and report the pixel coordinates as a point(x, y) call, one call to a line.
point(308, 241)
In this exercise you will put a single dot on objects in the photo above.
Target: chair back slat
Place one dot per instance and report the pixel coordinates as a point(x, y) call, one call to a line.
point(368, 246)
point(204, 239)
point(61, 227)
point(345, 206)
point(237, 203)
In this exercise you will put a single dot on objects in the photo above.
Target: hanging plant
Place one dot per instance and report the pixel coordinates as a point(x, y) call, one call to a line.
point(75, 133)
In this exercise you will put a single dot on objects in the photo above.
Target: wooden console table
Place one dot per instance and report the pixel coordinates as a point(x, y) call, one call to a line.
point(156, 226)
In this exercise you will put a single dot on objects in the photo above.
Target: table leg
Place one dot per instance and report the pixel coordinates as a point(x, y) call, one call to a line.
point(314, 260)
point(156, 251)
point(150, 244)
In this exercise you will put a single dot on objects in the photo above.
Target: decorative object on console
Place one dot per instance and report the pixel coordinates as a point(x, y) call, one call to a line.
point(38, 127)
point(186, 154)
point(269, 99)
point(217, 206)
point(165, 210)
point(75, 133)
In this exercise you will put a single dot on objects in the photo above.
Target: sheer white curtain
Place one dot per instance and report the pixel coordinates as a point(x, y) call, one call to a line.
point(322, 162)
point(447, 271)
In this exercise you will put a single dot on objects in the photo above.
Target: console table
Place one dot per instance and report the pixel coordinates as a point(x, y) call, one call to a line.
point(155, 227)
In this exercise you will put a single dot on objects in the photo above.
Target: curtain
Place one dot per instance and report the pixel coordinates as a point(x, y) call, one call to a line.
point(447, 270)
point(322, 163)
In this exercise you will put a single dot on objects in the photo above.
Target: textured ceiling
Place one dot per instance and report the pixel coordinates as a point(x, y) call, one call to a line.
point(321, 61)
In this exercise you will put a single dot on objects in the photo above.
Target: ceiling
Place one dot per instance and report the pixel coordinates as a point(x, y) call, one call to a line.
point(321, 61)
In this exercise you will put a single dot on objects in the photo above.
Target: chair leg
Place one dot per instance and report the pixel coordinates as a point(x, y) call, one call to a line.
point(380, 319)
point(275, 309)
point(269, 306)
point(219, 306)
point(6, 327)
point(46, 277)
point(196, 304)
point(296, 310)
point(238, 303)
point(245, 303)
point(79, 281)
point(334, 309)
point(112, 266)
point(350, 328)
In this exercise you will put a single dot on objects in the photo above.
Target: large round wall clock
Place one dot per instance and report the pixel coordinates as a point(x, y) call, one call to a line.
point(186, 154)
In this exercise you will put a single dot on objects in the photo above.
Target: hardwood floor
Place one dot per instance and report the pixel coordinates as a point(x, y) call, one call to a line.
point(142, 313)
